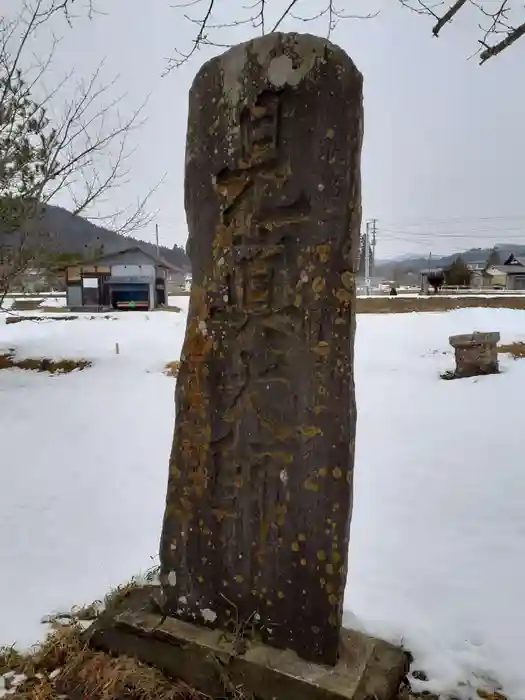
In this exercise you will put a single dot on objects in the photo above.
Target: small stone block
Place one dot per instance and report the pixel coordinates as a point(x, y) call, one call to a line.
point(470, 339)
point(476, 354)
point(216, 664)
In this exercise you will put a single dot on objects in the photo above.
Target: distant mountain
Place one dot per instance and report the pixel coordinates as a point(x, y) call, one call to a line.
point(74, 234)
point(416, 263)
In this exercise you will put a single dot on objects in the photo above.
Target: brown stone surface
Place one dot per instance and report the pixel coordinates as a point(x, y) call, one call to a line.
point(260, 486)
point(476, 354)
point(216, 663)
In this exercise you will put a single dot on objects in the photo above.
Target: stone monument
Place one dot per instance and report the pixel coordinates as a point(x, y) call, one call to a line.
point(260, 485)
point(256, 527)
point(476, 354)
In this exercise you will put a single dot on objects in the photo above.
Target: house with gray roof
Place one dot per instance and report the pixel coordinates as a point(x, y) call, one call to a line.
point(131, 278)
point(514, 270)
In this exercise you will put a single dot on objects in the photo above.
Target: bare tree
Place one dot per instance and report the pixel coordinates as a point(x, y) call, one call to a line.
point(51, 147)
point(496, 20)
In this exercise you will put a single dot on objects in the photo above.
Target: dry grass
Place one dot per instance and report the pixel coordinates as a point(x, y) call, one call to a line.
point(42, 364)
point(403, 305)
point(516, 350)
point(64, 665)
point(38, 319)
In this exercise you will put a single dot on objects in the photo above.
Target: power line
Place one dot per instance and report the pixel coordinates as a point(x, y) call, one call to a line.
point(460, 219)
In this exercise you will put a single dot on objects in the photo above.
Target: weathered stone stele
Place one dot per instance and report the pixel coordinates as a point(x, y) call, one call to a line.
point(258, 506)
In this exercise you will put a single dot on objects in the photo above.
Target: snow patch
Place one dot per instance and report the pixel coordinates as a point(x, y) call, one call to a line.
point(438, 528)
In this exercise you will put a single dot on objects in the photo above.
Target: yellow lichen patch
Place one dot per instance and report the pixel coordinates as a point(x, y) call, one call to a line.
point(347, 278)
point(337, 472)
point(323, 471)
point(200, 579)
point(344, 296)
point(311, 485)
point(310, 431)
point(321, 555)
point(175, 473)
point(280, 595)
point(238, 578)
point(335, 557)
point(323, 251)
point(332, 620)
point(303, 562)
point(295, 546)
point(301, 538)
point(322, 348)
point(318, 284)
point(333, 599)
point(318, 410)
point(329, 569)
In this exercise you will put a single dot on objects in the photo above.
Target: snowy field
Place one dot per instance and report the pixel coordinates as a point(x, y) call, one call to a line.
point(438, 533)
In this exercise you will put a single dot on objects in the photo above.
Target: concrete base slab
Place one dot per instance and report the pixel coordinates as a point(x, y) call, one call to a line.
point(219, 664)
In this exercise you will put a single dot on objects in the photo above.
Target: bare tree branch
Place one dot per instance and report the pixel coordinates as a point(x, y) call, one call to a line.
point(79, 146)
point(448, 16)
point(259, 15)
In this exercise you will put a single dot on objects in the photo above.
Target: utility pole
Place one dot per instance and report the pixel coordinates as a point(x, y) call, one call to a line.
point(367, 258)
point(424, 278)
point(373, 224)
point(157, 238)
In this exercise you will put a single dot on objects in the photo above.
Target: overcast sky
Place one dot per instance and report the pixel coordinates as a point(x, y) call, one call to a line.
point(444, 140)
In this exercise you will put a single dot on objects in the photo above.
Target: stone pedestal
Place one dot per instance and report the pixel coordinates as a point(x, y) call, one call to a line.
point(476, 354)
point(238, 664)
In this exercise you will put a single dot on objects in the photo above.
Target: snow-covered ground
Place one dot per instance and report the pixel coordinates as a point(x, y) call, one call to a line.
point(438, 532)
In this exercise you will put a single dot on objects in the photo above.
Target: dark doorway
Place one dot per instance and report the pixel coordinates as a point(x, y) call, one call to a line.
point(130, 297)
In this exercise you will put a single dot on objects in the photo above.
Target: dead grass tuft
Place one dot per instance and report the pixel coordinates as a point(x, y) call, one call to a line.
point(42, 364)
point(64, 665)
point(516, 350)
point(172, 368)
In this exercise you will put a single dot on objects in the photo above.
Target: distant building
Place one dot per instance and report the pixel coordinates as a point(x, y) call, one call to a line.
point(514, 269)
point(477, 266)
point(494, 277)
point(187, 282)
point(126, 279)
point(476, 270)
